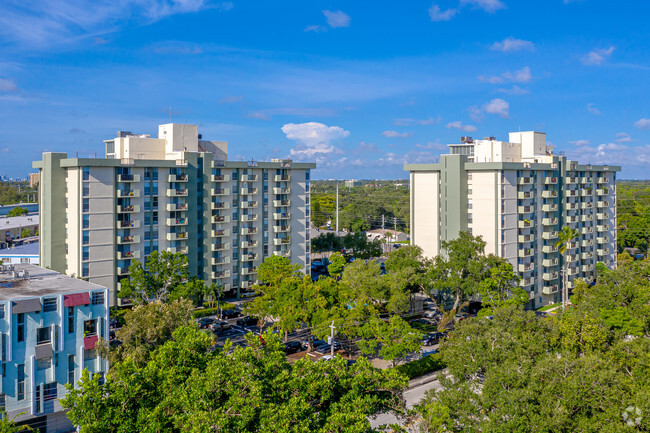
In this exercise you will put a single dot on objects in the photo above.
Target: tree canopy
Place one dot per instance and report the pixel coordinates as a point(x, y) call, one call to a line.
point(162, 274)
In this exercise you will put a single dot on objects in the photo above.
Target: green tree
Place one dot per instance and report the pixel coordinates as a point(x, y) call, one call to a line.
point(565, 238)
point(26, 233)
point(17, 211)
point(9, 425)
point(162, 274)
point(337, 265)
point(394, 338)
point(501, 286)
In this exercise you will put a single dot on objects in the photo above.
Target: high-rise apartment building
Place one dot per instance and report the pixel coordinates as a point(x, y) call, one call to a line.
point(177, 193)
point(517, 195)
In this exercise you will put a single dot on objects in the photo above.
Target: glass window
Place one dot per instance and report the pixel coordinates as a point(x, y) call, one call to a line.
point(49, 304)
point(85, 269)
point(2, 311)
point(85, 221)
point(85, 237)
point(90, 327)
point(98, 298)
point(43, 335)
point(71, 369)
point(85, 190)
point(85, 173)
point(86, 205)
point(70, 320)
point(20, 391)
point(85, 253)
point(20, 327)
point(49, 391)
point(42, 364)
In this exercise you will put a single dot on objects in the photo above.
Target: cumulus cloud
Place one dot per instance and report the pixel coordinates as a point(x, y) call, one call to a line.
point(642, 123)
point(580, 142)
point(313, 138)
point(337, 18)
point(522, 75)
point(437, 14)
point(395, 134)
point(498, 106)
point(512, 44)
point(597, 57)
point(623, 137)
point(489, 6)
point(603, 149)
point(591, 107)
point(7, 85)
point(457, 124)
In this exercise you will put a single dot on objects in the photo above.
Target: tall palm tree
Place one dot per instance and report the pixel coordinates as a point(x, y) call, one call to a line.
point(565, 237)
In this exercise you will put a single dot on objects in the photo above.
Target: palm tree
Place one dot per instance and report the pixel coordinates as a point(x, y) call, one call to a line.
point(566, 236)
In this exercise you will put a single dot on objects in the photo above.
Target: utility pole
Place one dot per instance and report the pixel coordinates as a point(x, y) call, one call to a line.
point(332, 327)
point(337, 208)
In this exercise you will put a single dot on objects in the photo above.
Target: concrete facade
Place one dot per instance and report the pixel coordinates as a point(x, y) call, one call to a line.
point(177, 193)
point(517, 195)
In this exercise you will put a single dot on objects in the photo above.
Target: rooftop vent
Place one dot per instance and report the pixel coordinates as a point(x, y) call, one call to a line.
point(466, 140)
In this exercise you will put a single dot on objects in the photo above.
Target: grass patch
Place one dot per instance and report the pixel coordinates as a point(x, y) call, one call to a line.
point(422, 366)
point(422, 327)
point(549, 307)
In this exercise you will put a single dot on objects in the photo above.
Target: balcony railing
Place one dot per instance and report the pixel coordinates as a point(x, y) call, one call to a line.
point(525, 267)
point(180, 250)
point(282, 253)
point(522, 224)
point(221, 260)
point(176, 193)
point(281, 216)
point(248, 191)
point(221, 247)
point(134, 208)
point(177, 178)
point(248, 271)
point(549, 235)
point(178, 236)
point(128, 224)
point(247, 218)
point(284, 241)
point(248, 230)
point(547, 263)
point(550, 180)
point(220, 191)
point(221, 274)
point(281, 229)
point(281, 203)
point(249, 244)
point(550, 289)
point(249, 178)
point(124, 240)
point(220, 205)
point(248, 204)
point(127, 255)
point(281, 190)
point(176, 221)
point(123, 193)
point(175, 207)
point(282, 177)
point(248, 257)
point(548, 249)
point(220, 233)
point(221, 219)
point(220, 178)
point(549, 194)
point(128, 178)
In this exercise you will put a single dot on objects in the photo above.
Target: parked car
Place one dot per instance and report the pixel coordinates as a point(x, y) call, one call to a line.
point(292, 347)
point(315, 343)
point(323, 348)
point(220, 326)
point(204, 322)
point(247, 321)
point(230, 314)
point(433, 338)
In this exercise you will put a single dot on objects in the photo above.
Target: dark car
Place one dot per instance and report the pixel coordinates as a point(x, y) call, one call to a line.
point(204, 322)
point(230, 314)
point(292, 347)
point(247, 321)
point(433, 338)
point(315, 343)
point(323, 348)
point(220, 326)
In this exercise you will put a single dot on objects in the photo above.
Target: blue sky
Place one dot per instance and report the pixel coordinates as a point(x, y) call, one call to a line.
point(358, 87)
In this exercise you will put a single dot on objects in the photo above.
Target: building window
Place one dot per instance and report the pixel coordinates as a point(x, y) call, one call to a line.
point(90, 327)
point(85, 206)
point(3, 401)
point(43, 364)
point(85, 221)
point(98, 298)
point(85, 190)
point(85, 253)
point(37, 397)
point(90, 354)
point(20, 330)
point(85, 271)
point(4, 350)
point(2, 311)
point(85, 173)
point(20, 385)
point(85, 237)
point(43, 335)
point(307, 175)
point(70, 320)
point(49, 304)
point(49, 391)
point(71, 369)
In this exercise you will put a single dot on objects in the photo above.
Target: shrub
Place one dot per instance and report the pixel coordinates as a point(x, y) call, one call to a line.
point(422, 366)
point(212, 311)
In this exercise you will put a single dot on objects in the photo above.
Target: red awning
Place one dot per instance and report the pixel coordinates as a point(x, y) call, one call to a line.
point(76, 299)
point(89, 342)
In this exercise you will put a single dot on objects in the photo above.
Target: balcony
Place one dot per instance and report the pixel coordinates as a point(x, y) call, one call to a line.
point(283, 241)
point(220, 260)
point(573, 271)
point(128, 178)
point(550, 180)
point(219, 205)
point(127, 255)
point(572, 193)
point(572, 219)
point(176, 193)
point(550, 276)
point(587, 255)
point(602, 203)
point(572, 259)
point(549, 207)
point(176, 207)
point(122, 193)
point(549, 194)
point(571, 180)
point(248, 218)
point(549, 235)
point(282, 253)
point(525, 282)
point(220, 178)
point(586, 268)
point(549, 290)
point(586, 230)
point(602, 216)
point(525, 238)
point(126, 240)
point(525, 252)
point(178, 236)
point(221, 247)
point(602, 251)
point(248, 204)
point(281, 216)
point(248, 271)
point(248, 178)
point(602, 239)
point(572, 206)
point(248, 257)
point(221, 274)
point(282, 178)
point(128, 224)
point(549, 221)
point(281, 190)
point(547, 263)
point(121, 270)
point(585, 180)
point(249, 244)
point(522, 224)
point(587, 243)
point(602, 228)
point(221, 219)
point(172, 222)
point(281, 203)
point(525, 181)
point(134, 208)
point(600, 192)
point(248, 231)
point(586, 218)
point(248, 191)
point(603, 180)
point(177, 178)
point(220, 191)
point(220, 233)
point(524, 195)
point(245, 284)
point(179, 250)
point(548, 249)
point(281, 229)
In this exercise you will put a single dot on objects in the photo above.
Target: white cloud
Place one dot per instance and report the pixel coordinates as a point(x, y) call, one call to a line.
point(642, 123)
point(420, 122)
point(461, 127)
point(489, 6)
point(623, 137)
point(7, 85)
point(512, 44)
point(579, 142)
point(337, 18)
point(395, 134)
point(522, 75)
point(603, 149)
point(314, 139)
point(498, 106)
point(437, 14)
point(591, 107)
point(597, 57)
point(514, 90)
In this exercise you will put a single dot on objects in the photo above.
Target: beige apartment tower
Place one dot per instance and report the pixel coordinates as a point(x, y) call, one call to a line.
point(177, 193)
point(517, 195)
